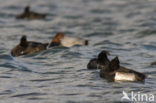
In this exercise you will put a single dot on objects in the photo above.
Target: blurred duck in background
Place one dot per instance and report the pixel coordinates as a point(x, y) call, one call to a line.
point(153, 63)
point(27, 14)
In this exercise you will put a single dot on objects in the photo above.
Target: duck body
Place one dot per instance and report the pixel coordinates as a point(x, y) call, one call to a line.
point(61, 39)
point(93, 64)
point(71, 41)
point(27, 47)
point(114, 72)
point(27, 14)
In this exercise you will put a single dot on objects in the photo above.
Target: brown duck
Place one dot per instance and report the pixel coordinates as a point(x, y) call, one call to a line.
point(60, 39)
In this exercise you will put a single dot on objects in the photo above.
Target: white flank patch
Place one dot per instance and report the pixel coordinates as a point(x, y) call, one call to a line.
point(121, 76)
point(70, 41)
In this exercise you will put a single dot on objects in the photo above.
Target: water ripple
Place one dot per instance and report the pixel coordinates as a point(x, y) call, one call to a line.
point(59, 74)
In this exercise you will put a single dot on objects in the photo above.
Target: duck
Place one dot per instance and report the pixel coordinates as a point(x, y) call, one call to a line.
point(153, 63)
point(115, 73)
point(98, 63)
point(27, 14)
point(27, 47)
point(60, 39)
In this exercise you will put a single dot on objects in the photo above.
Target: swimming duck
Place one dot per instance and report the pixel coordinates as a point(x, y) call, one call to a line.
point(27, 47)
point(61, 39)
point(27, 14)
point(98, 63)
point(153, 63)
point(114, 72)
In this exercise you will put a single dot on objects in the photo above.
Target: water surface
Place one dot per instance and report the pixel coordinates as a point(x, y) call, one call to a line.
point(126, 28)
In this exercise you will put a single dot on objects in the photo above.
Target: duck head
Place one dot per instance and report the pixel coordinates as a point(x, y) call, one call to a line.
point(20, 48)
point(102, 57)
point(24, 14)
point(114, 64)
point(27, 9)
point(23, 41)
point(56, 41)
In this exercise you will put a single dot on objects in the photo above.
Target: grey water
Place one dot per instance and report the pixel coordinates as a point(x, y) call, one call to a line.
point(126, 28)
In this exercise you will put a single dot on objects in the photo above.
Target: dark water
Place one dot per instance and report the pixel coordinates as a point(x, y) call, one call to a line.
point(126, 28)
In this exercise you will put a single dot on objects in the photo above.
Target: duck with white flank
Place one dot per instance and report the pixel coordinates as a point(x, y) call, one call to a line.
point(61, 39)
point(114, 72)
